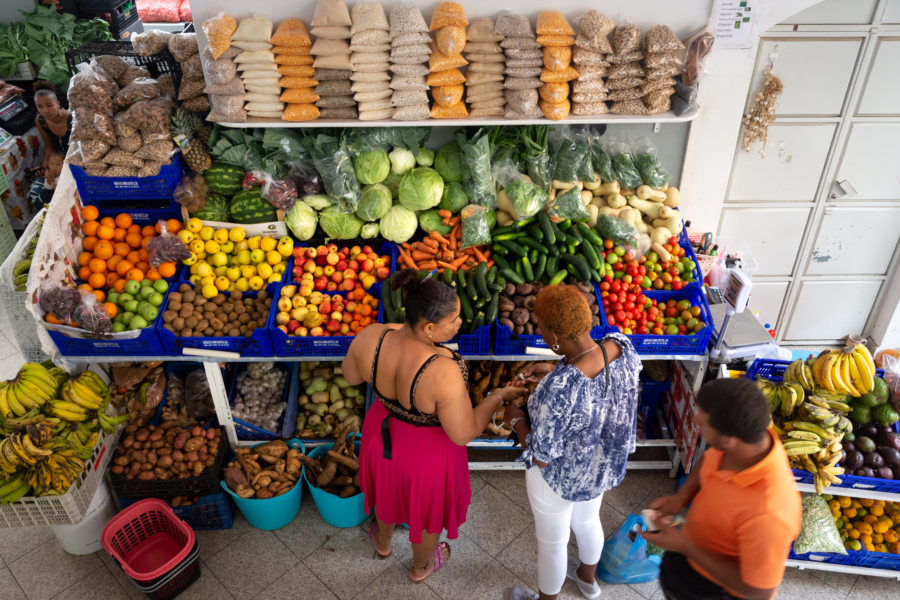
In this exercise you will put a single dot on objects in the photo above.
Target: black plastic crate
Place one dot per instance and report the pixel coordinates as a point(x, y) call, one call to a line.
point(101, 6)
point(158, 64)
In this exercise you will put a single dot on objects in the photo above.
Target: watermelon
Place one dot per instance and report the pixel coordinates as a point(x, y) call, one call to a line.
point(216, 208)
point(224, 179)
point(250, 207)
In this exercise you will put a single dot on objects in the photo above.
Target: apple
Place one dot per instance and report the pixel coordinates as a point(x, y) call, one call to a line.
point(282, 318)
point(242, 245)
point(284, 329)
point(298, 301)
point(345, 329)
point(347, 285)
point(132, 287)
point(332, 258)
point(257, 256)
point(337, 277)
point(368, 265)
point(298, 252)
point(353, 264)
point(382, 273)
point(321, 283)
point(299, 314)
point(316, 331)
point(309, 267)
point(292, 325)
point(284, 304)
point(342, 265)
point(333, 326)
point(327, 271)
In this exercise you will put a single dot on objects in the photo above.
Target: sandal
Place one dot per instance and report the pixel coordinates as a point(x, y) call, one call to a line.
point(372, 530)
point(438, 561)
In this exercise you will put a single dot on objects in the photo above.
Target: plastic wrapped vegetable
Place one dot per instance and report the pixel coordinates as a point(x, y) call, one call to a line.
point(623, 163)
point(166, 247)
point(91, 315)
point(535, 156)
point(602, 162)
point(568, 205)
point(621, 233)
point(520, 197)
point(476, 230)
point(305, 178)
point(583, 147)
point(59, 301)
point(652, 173)
point(567, 156)
point(818, 532)
point(335, 166)
point(476, 163)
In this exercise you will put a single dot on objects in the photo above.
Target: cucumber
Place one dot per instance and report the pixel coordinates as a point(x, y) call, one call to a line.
point(547, 227)
point(447, 277)
point(517, 267)
point(471, 288)
point(492, 275)
point(523, 223)
point(527, 271)
point(564, 225)
point(481, 280)
point(589, 234)
point(590, 255)
point(559, 277)
point(478, 322)
point(514, 248)
point(396, 294)
point(390, 315)
point(465, 307)
point(536, 232)
point(576, 234)
point(533, 256)
point(501, 262)
point(493, 309)
point(501, 230)
point(552, 265)
point(505, 237)
point(496, 286)
point(540, 266)
point(583, 273)
point(511, 275)
point(533, 244)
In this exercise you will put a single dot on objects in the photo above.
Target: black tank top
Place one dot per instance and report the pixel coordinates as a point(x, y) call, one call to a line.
point(59, 143)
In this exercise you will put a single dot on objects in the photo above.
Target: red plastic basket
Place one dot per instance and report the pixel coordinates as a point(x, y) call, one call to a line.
point(148, 540)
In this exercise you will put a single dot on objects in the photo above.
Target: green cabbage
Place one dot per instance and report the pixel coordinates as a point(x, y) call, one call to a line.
point(392, 182)
point(448, 163)
point(454, 197)
point(318, 201)
point(430, 220)
point(369, 231)
point(425, 157)
point(302, 221)
point(402, 160)
point(372, 166)
point(399, 224)
point(340, 225)
point(374, 202)
point(421, 189)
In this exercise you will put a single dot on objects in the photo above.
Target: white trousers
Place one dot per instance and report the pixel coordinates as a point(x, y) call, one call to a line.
point(553, 516)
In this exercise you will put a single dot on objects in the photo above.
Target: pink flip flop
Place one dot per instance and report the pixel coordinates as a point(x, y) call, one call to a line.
point(372, 531)
point(438, 561)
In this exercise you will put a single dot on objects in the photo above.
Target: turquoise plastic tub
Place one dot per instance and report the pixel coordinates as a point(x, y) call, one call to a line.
point(273, 513)
point(336, 511)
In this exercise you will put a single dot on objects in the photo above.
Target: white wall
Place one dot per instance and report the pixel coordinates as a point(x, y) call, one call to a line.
point(9, 9)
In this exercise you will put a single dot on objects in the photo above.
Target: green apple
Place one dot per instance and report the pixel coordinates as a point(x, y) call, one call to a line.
point(126, 318)
point(161, 286)
point(227, 247)
point(242, 245)
point(257, 256)
point(243, 257)
point(146, 282)
point(149, 313)
point(146, 292)
point(132, 287)
point(113, 296)
point(137, 322)
point(118, 327)
point(155, 299)
point(233, 273)
point(131, 306)
point(123, 298)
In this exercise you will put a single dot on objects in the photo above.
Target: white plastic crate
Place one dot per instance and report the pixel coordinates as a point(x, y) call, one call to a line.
point(71, 507)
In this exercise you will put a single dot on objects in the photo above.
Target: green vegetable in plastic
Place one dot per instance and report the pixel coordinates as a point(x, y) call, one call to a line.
point(374, 202)
point(586, 167)
point(430, 220)
point(535, 155)
point(568, 205)
point(526, 198)
point(402, 160)
point(425, 157)
point(567, 158)
point(317, 201)
point(818, 533)
point(340, 225)
point(476, 230)
point(399, 224)
point(602, 163)
point(448, 163)
point(476, 162)
point(626, 171)
point(652, 173)
point(302, 221)
point(454, 197)
point(617, 230)
point(421, 189)
point(372, 166)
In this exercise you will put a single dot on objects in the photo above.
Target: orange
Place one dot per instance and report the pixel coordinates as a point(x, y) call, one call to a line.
point(133, 256)
point(119, 234)
point(108, 221)
point(97, 280)
point(112, 279)
point(153, 275)
point(877, 510)
point(90, 213)
point(122, 249)
point(85, 287)
point(134, 240)
point(119, 285)
point(143, 266)
point(167, 269)
point(97, 265)
point(84, 258)
point(103, 249)
point(51, 319)
point(112, 261)
point(148, 231)
point(84, 273)
point(173, 225)
point(111, 309)
point(136, 274)
point(123, 220)
point(134, 228)
point(143, 254)
point(123, 267)
point(98, 294)
point(105, 232)
point(158, 227)
point(89, 242)
point(90, 227)
point(145, 241)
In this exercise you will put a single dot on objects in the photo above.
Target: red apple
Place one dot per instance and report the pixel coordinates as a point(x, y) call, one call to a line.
point(310, 252)
point(348, 285)
point(345, 329)
point(353, 264)
point(342, 265)
point(320, 283)
point(383, 273)
point(349, 274)
point(298, 252)
point(367, 265)
point(292, 325)
point(337, 277)
point(316, 332)
point(332, 247)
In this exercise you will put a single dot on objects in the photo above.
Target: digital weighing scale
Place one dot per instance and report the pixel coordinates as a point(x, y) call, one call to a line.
point(740, 335)
point(16, 116)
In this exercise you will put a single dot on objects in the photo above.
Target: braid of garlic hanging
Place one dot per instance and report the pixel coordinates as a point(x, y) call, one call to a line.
point(762, 112)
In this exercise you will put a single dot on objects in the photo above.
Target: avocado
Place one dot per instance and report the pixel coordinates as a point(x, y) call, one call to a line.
point(884, 414)
point(864, 444)
point(881, 389)
point(860, 415)
point(870, 400)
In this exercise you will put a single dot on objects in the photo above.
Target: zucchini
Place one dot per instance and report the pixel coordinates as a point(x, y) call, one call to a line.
point(496, 286)
point(533, 256)
point(589, 234)
point(590, 255)
point(514, 248)
point(481, 302)
point(547, 227)
point(582, 272)
point(447, 277)
point(558, 277)
point(465, 307)
point(552, 265)
point(511, 275)
point(491, 275)
point(533, 244)
point(501, 262)
point(527, 271)
point(478, 322)
point(480, 277)
point(540, 266)
point(493, 309)
point(390, 315)
point(396, 294)
point(498, 249)
point(505, 237)
point(471, 288)
point(536, 232)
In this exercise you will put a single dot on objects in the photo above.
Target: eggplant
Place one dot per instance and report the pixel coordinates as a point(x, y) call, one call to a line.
point(884, 473)
point(890, 455)
point(854, 460)
point(874, 460)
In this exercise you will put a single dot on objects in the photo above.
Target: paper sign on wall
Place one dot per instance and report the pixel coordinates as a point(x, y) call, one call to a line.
point(734, 22)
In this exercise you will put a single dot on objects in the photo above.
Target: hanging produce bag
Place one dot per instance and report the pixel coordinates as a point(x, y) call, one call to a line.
point(625, 559)
point(476, 163)
point(334, 163)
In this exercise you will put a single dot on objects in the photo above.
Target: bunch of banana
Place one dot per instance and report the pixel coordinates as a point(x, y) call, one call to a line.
point(82, 437)
point(799, 372)
point(79, 396)
point(32, 387)
point(812, 441)
point(57, 473)
point(784, 398)
point(13, 488)
point(21, 268)
point(848, 371)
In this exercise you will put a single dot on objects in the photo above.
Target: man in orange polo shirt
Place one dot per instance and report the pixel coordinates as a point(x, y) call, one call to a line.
point(744, 505)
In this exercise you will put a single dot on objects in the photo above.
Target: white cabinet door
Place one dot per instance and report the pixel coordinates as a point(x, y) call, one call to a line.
point(855, 240)
point(791, 169)
point(766, 298)
point(831, 310)
point(870, 162)
point(773, 235)
point(881, 94)
point(845, 12)
point(891, 12)
point(823, 66)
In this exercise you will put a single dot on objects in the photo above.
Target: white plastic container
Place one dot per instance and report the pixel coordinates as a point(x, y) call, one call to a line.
point(84, 537)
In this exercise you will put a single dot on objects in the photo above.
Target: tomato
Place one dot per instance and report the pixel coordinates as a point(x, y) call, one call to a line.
point(604, 286)
point(677, 284)
point(611, 319)
point(673, 241)
point(629, 305)
point(657, 331)
point(671, 311)
point(618, 266)
point(619, 315)
point(616, 286)
point(695, 311)
point(608, 244)
point(619, 250)
point(627, 278)
point(627, 257)
point(642, 330)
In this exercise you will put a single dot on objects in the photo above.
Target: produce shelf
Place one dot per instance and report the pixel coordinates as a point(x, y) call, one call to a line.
point(808, 564)
point(666, 117)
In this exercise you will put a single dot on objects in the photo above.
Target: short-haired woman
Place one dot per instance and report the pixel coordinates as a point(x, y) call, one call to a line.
point(53, 122)
point(583, 418)
point(413, 463)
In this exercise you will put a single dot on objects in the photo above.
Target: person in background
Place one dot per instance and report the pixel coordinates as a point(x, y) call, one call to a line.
point(52, 121)
point(41, 191)
point(583, 419)
point(413, 463)
point(744, 505)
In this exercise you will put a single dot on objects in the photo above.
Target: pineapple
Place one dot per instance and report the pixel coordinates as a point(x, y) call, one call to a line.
point(192, 137)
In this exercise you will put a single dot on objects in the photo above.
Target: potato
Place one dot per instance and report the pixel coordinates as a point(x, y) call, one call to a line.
point(147, 476)
point(146, 467)
point(131, 429)
point(180, 440)
point(194, 443)
point(192, 456)
point(117, 469)
point(142, 436)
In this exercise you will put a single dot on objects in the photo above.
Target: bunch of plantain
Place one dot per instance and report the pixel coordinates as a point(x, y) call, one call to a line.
point(849, 371)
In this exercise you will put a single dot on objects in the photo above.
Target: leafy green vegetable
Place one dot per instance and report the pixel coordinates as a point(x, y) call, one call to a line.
point(425, 157)
point(628, 175)
point(402, 160)
point(334, 164)
point(567, 157)
point(448, 163)
point(392, 183)
point(340, 225)
point(12, 48)
point(369, 231)
point(302, 221)
point(476, 229)
point(535, 155)
point(568, 205)
point(652, 173)
point(526, 198)
point(602, 163)
point(476, 163)
point(421, 189)
point(374, 202)
point(430, 220)
point(372, 166)
point(454, 197)
point(317, 201)
point(583, 148)
point(399, 224)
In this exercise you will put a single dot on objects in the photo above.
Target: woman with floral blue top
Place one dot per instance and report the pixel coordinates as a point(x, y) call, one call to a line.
point(583, 417)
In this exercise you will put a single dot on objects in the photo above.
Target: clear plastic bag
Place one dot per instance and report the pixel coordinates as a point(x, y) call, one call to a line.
point(148, 43)
point(584, 147)
point(228, 108)
point(568, 205)
point(448, 14)
point(166, 247)
point(567, 157)
point(476, 230)
point(520, 197)
point(183, 45)
point(197, 397)
point(221, 71)
point(647, 163)
point(660, 38)
point(626, 38)
point(627, 172)
point(91, 87)
point(191, 192)
point(91, 315)
point(818, 533)
point(59, 301)
point(621, 233)
point(699, 45)
point(291, 33)
point(139, 89)
point(476, 162)
point(88, 125)
point(334, 163)
point(557, 58)
point(551, 22)
point(602, 162)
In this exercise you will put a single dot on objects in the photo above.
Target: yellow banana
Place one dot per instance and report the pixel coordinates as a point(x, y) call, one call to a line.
point(34, 392)
point(863, 351)
point(69, 406)
point(32, 449)
point(85, 396)
point(825, 372)
point(846, 377)
point(837, 374)
point(40, 376)
point(5, 410)
point(95, 382)
point(13, 401)
point(864, 379)
point(68, 415)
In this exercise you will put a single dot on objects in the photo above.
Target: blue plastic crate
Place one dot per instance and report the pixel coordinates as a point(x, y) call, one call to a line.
point(674, 344)
point(384, 249)
point(474, 344)
point(773, 370)
point(159, 187)
point(246, 430)
point(215, 511)
point(323, 346)
point(256, 344)
point(651, 393)
point(685, 243)
point(853, 558)
point(507, 343)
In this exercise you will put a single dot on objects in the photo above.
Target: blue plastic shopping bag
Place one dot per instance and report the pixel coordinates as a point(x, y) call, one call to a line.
point(625, 558)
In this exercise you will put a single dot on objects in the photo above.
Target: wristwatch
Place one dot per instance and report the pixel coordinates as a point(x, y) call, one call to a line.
point(512, 424)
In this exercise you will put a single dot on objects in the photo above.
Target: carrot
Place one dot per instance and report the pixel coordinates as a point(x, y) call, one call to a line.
point(453, 221)
point(481, 257)
point(409, 262)
point(446, 214)
point(470, 251)
point(407, 245)
point(428, 265)
point(429, 242)
point(446, 265)
point(456, 264)
point(490, 264)
point(454, 237)
point(419, 255)
point(440, 239)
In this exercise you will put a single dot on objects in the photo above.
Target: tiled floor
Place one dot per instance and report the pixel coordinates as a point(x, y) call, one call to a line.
point(310, 560)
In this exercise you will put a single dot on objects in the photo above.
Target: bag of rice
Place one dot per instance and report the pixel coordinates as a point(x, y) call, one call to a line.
point(482, 30)
point(368, 15)
point(331, 13)
point(331, 33)
point(253, 29)
point(291, 33)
